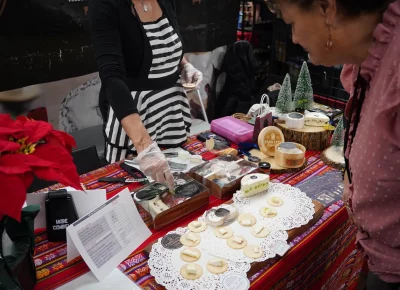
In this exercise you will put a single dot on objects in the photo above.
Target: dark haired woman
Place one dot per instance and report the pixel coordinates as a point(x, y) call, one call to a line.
point(365, 35)
point(139, 54)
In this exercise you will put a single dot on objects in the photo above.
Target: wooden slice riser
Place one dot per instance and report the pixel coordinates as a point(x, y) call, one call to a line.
point(333, 157)
point(313, 138)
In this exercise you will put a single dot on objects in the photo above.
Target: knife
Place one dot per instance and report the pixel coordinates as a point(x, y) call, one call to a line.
point(122, 180)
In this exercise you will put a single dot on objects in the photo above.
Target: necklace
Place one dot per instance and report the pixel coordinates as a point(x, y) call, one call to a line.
point(145, 7)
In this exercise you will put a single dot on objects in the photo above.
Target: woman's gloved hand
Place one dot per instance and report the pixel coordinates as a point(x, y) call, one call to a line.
point(191, 75)
point(152, 162)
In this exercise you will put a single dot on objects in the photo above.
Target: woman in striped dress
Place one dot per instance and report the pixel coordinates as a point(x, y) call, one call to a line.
point(140, 55)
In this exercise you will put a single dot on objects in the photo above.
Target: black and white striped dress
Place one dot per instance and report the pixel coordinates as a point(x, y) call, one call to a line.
point(164, 113)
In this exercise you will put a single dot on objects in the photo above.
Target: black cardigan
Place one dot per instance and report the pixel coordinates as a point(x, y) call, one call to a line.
point(123, 53)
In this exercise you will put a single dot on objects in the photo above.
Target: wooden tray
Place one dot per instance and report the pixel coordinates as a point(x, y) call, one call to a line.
point(225, 192)
point(258, 266)
point(180, 210)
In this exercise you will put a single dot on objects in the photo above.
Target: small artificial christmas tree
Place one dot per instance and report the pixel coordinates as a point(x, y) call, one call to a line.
point(304, 96)
point(284, 104)
point(337, 137)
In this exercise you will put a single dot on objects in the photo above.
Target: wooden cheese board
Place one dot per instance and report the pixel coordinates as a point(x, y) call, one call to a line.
point(275, 168)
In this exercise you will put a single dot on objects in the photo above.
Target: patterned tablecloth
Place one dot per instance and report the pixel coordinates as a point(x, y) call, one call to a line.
point(324, 257)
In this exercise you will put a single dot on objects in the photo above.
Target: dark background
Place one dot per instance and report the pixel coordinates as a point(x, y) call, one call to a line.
point(48, 40)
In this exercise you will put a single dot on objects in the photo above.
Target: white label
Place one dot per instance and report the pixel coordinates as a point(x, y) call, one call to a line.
point(235, 282)
point(280, 248)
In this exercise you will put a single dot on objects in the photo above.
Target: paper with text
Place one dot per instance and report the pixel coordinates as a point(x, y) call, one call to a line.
point(107, 235)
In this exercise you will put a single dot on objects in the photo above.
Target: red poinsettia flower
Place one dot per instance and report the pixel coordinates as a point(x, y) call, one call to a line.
point(29, 148)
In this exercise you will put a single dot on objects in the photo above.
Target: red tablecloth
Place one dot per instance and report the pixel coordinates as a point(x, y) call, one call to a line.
point(322, 258)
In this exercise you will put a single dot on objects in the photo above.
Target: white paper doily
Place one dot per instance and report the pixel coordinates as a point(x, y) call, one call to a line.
point(218, 247)
point(165, 266)
point(296, 211)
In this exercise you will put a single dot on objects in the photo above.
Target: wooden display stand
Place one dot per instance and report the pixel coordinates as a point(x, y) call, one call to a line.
point(313, 138)
point(275, 168)
point(256, 267)
point(333, 157)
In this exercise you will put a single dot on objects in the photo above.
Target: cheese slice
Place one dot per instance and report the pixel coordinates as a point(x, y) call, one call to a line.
point(246, 222)
point(191, 253)
point(238, 240)
point(196, 224)
point(316, 119)
point(267, 210)
point(256, 249)
point(216, 262)
point(191, 237)
point(222, 231)
point(258, 229)
point(254, 183)
point(191, 269)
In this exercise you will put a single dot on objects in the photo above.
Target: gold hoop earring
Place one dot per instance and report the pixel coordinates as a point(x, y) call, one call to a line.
point(329, 43)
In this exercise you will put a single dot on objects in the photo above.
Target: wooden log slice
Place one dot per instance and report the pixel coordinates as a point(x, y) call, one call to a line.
point(275, 168)
point(313, 138)
point(333, 157)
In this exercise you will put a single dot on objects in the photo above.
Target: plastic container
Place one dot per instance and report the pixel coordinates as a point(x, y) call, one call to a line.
point(233, 129)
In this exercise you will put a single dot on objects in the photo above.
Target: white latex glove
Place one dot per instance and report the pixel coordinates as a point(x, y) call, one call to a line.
point(191, 75)
point(152, 162)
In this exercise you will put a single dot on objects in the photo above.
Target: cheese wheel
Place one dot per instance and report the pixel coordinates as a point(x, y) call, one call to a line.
point(269, 137)
point(210, 143)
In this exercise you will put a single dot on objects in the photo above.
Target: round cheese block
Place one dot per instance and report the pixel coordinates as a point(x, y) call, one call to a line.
point(188, 258)
point(247, 216)
point(217, 270)
point(188, 276)
point(249, 252)
point(228, 234)
point(263, 234)
point(234, 245)
point(268, 212)
point(190, 243)
point(210, 143)
point(214, 220)
point(269, 137)
point(275, 201)
point(199, 229)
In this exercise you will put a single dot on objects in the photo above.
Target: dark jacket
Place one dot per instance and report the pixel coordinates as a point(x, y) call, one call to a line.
point(240, 86)
point(123, 53)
